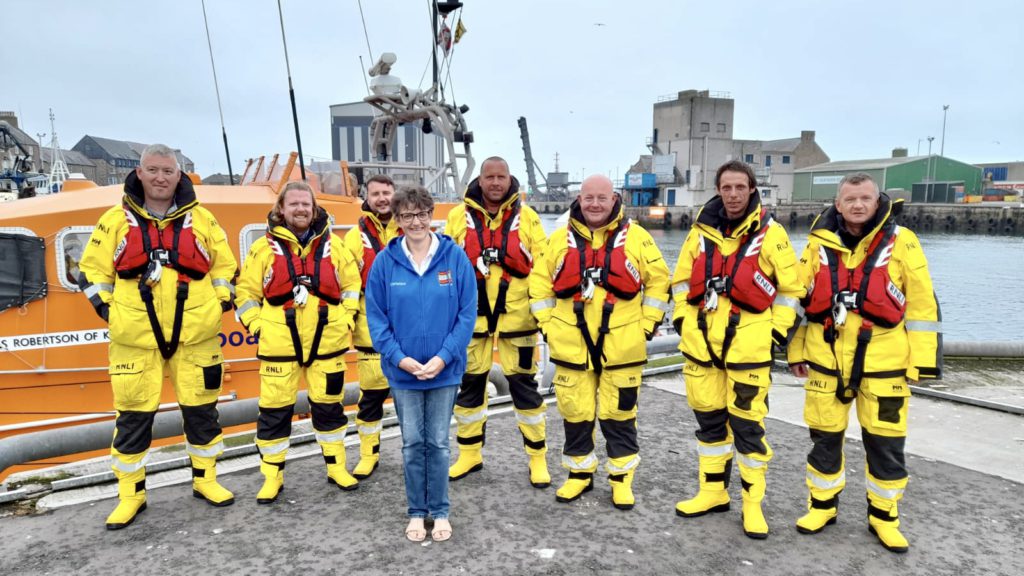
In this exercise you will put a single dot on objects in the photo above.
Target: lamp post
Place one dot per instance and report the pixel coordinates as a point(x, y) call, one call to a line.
point(942, 144)
point(928, 172)
point(918, 146)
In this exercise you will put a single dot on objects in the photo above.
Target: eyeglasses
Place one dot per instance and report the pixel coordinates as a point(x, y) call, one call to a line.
point(407, 217)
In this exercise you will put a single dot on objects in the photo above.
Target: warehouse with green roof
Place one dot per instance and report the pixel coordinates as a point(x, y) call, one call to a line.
point(924, 178)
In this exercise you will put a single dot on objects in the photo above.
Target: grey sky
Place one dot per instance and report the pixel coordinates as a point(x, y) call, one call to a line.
point(867, 76)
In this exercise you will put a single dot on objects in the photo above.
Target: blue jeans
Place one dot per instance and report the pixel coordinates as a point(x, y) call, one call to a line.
point(425, 417)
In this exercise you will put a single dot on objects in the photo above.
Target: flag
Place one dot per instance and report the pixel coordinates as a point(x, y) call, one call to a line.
point(459, 30)
point(444, 37)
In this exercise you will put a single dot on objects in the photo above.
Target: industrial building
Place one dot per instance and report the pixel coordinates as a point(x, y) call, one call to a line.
point(917, 178)
point(693, 135)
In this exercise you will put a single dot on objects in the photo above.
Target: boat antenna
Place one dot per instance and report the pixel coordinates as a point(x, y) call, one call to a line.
point(216, 88)
point(366, 34)
point(291, 92)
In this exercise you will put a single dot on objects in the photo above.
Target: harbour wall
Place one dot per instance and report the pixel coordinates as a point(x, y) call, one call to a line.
point(996, 218)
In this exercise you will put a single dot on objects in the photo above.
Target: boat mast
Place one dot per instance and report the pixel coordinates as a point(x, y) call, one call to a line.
point(216, 87)
point(291, 93)
point(58, 168)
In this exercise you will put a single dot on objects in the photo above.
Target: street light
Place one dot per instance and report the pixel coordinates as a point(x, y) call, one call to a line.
point(942, 147)
point(928, 171)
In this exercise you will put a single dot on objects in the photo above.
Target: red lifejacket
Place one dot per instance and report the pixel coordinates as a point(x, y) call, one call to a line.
point(867, 289)
point(493, 245)
point(738, 276)
point(607, 267)
point(316, 272)
point(372, 245)
point(176, 246)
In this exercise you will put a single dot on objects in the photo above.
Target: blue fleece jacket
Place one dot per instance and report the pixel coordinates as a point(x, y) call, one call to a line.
point(421, 316)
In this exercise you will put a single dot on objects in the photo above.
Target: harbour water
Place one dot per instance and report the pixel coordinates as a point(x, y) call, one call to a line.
point(973, 274)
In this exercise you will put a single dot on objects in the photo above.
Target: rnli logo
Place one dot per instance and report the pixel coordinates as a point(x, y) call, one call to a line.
point(764, 284)
point(186, 222)
point(633, 271)
point(817, 384)
point(268, 277)
point(273, 369)
point(124, 367)
point(120, 248)
point(896, 294)
point(444, 278)
point(366, 241)
point(276, 248)
point(515, 224)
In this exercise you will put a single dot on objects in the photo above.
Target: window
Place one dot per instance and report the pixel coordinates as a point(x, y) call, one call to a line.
point(70, 244)
point(767, 160)
point(785, 159)
point(720, 128)
point(705, 127)
point(22, 267)
point(655, 135)
point(749, 158)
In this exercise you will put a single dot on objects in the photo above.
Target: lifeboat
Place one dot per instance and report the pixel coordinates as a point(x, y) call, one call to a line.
point(53, 347)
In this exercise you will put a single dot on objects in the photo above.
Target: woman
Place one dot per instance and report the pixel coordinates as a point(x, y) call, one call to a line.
point(421, 307)
point(299, 291)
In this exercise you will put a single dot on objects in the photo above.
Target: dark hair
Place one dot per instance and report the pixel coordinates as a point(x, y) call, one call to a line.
point(737, 166)
point(382, 178)
point(857, 178)
point(416, 197)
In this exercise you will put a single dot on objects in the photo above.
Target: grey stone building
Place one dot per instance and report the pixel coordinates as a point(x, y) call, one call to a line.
point(114, 159)
point(693, 135)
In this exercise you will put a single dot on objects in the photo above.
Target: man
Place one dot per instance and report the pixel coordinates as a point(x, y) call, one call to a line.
point(158, 268)
point(375, 229)
point(502, 237)
point(736, 292)
point(599, 293)
point(298, 292)
point(873, 326)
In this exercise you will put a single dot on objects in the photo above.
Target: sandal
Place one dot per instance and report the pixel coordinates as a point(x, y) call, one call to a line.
point(442, 530)
point(415, 531)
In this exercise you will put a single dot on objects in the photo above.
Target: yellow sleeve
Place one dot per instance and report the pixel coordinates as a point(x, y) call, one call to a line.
point(249, 285)
point(806, 269)
point(353, 244)
point(455, 225)
point(655, 276)
point(348, 275)
point(96, 268)
point(923, 317)
point(681, 276)
point(781, 263)
point(531, 231)
point(542, 293)
point(223, 266)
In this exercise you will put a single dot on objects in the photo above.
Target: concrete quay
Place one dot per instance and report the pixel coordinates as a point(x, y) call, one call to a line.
point(963, 513)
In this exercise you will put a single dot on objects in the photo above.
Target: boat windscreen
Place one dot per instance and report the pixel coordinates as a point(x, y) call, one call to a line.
point(22, 269)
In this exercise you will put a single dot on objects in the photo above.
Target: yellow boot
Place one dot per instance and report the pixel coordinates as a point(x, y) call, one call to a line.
point(752, 475)
point(575, 486)
point(622, 490)
point(131, 490)
point(369, 452)
point(334, 457)
point(713, 496)
point(470, 460)
point(204, 482)
point(883, 513)
point(820, 513)
point(886, 526)
point(539, 476)
point(273, 482)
